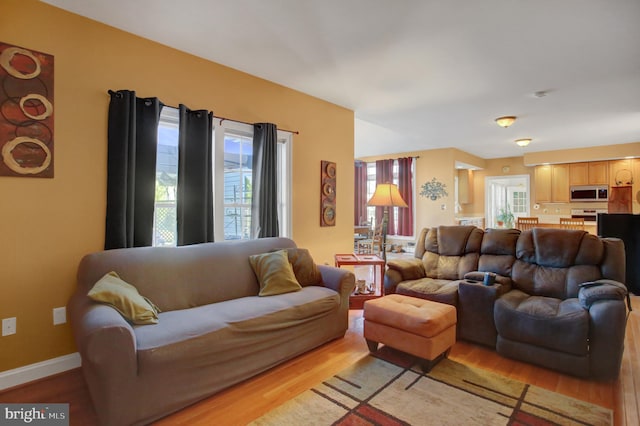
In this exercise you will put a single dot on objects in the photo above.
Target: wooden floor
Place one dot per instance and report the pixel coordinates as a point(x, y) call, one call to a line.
point(249, 400)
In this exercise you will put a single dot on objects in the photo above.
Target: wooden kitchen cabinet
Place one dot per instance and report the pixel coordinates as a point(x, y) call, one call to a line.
point(542, 179)
point(579, 174)
point(560, 183)
point(465, 186)
point(620, 172)
point(552, 183)
point(589, 173)
point(598, 173)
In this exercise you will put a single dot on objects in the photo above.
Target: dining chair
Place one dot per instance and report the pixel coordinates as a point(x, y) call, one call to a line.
point(525, 223)
point(572, 223)
point(372, 245)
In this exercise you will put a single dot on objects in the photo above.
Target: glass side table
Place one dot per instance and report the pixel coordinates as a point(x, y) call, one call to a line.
point(357, 299)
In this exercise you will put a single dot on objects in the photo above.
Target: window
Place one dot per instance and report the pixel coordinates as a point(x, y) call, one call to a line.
point(371, 188)
point(232, 180)
point(164, 217)
point(237, 183)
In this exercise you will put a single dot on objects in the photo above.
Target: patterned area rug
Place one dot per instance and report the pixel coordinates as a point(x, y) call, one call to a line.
point(390, 389)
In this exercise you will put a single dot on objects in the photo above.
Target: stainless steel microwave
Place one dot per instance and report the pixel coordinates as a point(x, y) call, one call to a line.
point(584, 193)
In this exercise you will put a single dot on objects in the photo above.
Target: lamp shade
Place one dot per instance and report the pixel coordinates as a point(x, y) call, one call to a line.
point(387, 194)
point(523, 142)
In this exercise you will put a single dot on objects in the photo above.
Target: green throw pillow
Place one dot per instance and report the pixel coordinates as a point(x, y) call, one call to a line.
point(124, 297)
point(274, 273)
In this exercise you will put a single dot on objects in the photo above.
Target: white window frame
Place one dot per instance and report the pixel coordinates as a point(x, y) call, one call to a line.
point(284, 165)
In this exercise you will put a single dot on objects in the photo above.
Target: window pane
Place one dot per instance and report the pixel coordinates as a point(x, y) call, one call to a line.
point(166, 179)
point(238, 159)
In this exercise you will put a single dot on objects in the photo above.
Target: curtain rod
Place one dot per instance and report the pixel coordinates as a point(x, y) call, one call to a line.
point(409, 156)
point(295, 132)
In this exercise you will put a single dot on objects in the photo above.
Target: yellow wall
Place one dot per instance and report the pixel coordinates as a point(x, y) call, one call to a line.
point(47, 225)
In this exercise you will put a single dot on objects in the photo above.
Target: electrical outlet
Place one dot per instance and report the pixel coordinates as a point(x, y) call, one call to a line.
point(59, 315)
point(8, 326)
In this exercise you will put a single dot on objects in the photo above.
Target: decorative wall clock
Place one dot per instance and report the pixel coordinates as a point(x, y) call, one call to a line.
point(327, 193)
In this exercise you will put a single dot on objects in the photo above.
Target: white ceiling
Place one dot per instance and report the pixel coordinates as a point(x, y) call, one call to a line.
point(423, 74)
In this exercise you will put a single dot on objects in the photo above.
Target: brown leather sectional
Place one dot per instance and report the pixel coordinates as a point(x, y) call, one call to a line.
point(558, 301)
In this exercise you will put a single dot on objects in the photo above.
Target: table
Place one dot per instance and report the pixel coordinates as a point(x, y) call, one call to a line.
point(356, 300)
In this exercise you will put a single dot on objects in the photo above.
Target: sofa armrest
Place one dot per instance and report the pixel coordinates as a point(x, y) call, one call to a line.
point(391, 280)
point(409, 269)
point(341, 280)
point(607, 324)
point(593, 291)
point(102, 335)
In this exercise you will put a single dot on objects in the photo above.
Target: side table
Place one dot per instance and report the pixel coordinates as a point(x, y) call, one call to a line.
point(356, 300)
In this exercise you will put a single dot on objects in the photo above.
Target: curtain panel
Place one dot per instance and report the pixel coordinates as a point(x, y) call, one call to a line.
point(194, 193)
point(264, 195)
point(405, 187)
point(131, 169)
point(360, 211)
point(384, 174)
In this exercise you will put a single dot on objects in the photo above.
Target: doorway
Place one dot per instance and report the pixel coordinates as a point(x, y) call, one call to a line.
point(506, 194)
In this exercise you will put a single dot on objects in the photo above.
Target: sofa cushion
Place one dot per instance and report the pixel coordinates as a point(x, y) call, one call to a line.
point(231, 328)
point(304, 268)
point(555, 324)
point(438, 290)
point(124, 297)
point(274, 273)
point(451, 251)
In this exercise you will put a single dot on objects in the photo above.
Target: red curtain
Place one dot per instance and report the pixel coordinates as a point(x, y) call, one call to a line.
point(405, 187)
point(384, 174)
point(360, 211)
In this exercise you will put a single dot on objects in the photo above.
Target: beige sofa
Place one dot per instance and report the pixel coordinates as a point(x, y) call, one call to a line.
point(213, 330)
point(558, 299)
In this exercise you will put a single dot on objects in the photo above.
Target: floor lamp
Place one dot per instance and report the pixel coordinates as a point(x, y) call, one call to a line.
point(386, 195)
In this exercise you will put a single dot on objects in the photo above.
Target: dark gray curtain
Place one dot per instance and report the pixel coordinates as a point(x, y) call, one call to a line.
point(131, 169)
point(264, 196)
point(195, 177)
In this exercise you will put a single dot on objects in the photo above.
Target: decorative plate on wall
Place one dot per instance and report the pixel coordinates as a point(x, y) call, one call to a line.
point(327, 193)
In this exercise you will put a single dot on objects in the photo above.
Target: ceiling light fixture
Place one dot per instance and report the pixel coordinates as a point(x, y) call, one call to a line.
point(523, 142)
point(505, 121)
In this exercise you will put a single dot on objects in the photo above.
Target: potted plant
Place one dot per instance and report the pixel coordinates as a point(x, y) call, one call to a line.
point(505, 217)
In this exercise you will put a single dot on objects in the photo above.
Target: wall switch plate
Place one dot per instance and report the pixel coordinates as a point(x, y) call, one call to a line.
point(8, 326)
point(59, 315)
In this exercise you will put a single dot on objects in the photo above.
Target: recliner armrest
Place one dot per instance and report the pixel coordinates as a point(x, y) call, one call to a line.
point(505, 282)
point(409, 269)
point(593, 291)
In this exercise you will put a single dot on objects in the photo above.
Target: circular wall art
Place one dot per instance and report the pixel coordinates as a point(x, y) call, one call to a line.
point(327, 193)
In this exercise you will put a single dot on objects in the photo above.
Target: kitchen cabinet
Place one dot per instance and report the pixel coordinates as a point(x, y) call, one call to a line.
point(598, 173)
point(589, 173)
point(465, 186)
point(542, 179)
point(560, 183)
point(552, 183)
point(620, 172)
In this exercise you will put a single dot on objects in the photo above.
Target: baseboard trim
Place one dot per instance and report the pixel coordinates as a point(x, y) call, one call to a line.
point(28, 373)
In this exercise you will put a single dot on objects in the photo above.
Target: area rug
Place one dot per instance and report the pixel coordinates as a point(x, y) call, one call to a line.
point(391, 389)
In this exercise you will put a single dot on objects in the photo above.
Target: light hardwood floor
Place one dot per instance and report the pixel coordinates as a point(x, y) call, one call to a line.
point(252, 398)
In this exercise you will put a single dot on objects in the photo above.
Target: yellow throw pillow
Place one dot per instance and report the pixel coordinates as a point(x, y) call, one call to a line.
point(124, 297)
point(274, 273)
point(304, 268)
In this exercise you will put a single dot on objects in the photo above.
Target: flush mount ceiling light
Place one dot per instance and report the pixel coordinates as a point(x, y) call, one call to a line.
point(505, 121)
point(523, 142)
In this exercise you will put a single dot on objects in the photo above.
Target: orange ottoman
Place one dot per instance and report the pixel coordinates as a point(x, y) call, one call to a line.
point(420, 327)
